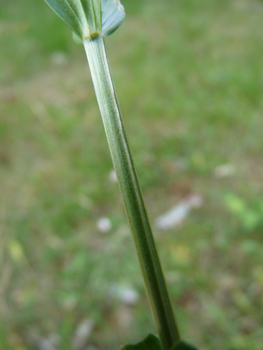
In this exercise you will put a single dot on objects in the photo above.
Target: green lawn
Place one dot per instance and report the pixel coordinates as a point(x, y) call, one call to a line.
point(190, 81)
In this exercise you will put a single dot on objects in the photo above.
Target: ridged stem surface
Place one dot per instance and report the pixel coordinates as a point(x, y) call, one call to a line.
point(131, 192)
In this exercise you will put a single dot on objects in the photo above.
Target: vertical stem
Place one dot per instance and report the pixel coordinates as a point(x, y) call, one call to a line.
point(131, 192)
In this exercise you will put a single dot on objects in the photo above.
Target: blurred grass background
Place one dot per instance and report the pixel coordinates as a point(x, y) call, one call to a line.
point(190, 79)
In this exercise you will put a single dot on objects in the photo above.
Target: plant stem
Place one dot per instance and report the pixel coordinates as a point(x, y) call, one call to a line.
point(131, 192)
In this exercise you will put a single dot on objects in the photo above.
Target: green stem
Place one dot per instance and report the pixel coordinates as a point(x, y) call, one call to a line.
point(131, 192)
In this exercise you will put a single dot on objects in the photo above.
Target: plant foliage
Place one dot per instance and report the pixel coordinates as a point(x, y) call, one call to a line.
point(150, 343)
point(89, 18)
point(153, 343)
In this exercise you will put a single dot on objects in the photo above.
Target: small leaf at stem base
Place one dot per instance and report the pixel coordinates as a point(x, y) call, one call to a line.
point(182, 345)
point(150, 343)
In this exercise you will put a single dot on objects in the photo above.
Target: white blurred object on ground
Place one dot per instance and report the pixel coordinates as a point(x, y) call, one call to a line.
point(82, 334)
point(59, 58)
point(178, 213)
point(126, 295)
point(224, 170)
point(50, 343)
point(104, 225)
point(113, 176)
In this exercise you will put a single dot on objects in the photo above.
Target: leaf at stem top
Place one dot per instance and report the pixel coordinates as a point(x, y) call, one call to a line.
point(112, 15)
point(89, 18)
point(149, 343)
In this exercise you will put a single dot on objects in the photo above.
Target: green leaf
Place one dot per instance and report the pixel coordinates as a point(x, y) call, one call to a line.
point(92, 10)
point(112, 15)
point(150, 343)
point(89, 18)
point(71, 12)
point(153, 343)
point(182, 345)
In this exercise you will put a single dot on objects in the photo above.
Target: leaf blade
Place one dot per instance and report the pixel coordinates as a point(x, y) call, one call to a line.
point(92, 10)
point(89, 18)
point(151, 342)
point(182, 345)
point(66, 13)
point(113, 14)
